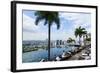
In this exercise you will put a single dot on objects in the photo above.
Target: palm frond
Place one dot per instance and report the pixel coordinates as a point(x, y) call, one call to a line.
point(57, 21)
point(38, 19)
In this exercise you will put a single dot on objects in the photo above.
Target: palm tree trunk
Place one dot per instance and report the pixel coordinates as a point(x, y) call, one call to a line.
point(49, 30)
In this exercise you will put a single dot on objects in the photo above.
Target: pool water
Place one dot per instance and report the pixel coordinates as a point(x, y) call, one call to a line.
point(36, 56)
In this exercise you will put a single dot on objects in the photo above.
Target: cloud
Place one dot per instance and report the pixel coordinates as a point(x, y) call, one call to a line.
point(32, 31)
point(28, 24)
point(83, 20)
point(35, 36)
point(78, 19)
point(69, 16)
point(69, 21)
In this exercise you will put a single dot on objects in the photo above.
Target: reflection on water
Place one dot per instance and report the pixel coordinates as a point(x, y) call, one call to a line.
point(36, 56)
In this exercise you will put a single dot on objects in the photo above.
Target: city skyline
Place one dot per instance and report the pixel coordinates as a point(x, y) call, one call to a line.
point(69, 22)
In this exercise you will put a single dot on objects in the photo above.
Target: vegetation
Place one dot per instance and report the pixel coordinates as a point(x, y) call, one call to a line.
point(70, 40)
point(29, 49)
point(79, 32)
point(50, 18)
point(88, 39)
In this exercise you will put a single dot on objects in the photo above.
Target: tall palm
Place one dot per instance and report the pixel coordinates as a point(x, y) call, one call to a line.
point(49, 18)
point(79, 32)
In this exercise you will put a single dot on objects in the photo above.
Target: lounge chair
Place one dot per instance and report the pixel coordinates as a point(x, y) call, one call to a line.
point(42, 60)
point(84, 54)
point(58, 58)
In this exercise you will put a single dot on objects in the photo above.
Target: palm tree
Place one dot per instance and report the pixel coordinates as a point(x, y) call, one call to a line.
point(88, 38)
point(49, 18)
point(70, 40)
point(80, 32)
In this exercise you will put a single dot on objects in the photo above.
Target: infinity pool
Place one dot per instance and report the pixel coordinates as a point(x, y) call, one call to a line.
point(36, 56)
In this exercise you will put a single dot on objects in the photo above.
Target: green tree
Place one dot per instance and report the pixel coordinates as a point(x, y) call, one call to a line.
point(49, 18)
point(80, 32)
point(70, 40)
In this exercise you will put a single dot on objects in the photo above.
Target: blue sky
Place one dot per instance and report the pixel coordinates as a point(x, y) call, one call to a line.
point(69, 21)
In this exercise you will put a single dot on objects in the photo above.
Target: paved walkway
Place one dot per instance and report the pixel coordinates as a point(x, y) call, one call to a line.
point(78, 55)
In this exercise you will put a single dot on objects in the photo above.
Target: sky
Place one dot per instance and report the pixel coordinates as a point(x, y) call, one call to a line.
point(69, 21)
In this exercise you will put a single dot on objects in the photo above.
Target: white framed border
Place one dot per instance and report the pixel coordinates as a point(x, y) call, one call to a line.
point(23, 66)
